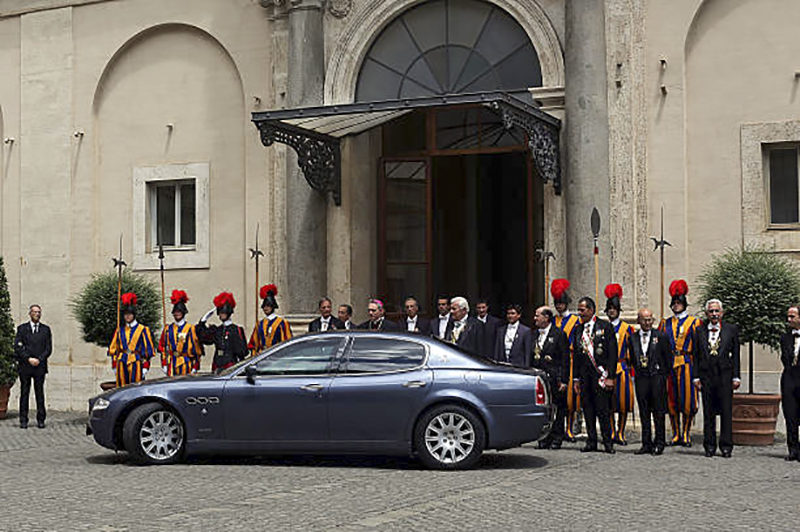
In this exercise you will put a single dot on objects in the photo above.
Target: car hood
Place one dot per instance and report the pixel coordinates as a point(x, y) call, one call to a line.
point(148, 383)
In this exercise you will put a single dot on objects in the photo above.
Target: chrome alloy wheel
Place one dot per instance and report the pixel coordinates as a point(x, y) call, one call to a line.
point(449, 437)
point(161, 435)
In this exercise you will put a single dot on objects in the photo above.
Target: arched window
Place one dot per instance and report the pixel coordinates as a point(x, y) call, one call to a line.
point(449, 47)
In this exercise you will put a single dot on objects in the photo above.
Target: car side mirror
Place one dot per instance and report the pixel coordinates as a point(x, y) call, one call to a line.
point(250, 372)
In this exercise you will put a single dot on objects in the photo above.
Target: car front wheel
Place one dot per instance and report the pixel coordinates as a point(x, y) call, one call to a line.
point(449, 437)
point(152, 434)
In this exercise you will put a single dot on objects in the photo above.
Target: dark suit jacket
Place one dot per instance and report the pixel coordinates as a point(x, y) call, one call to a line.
point(386, 325)
point(604, 340)
point(727, 359)
point(658, 355)
point(491, 331)
point(423, 325)
point(554, 357)
point(316, 325)
point(28, 345)
point(520, 354)
point(787, 352)
point(471, 338)
point(434, 325)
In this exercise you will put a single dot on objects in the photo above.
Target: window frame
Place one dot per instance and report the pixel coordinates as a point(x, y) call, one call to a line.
point(152, 218)
point(145, 249)
point(767, 150)
point(344, 359)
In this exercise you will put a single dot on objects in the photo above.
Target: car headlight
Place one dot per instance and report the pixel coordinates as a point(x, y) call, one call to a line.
point(100, 404)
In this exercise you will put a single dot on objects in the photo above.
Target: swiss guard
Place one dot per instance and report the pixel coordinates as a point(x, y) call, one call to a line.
point(132, 345)
point(230, 345)
point(682, 396)
point(623, 390)
point(271, 330)
point(566, 321)
point(179, 346)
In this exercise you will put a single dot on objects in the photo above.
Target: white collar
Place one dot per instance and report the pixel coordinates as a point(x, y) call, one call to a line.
point(181, 323)
point(615, 322)
point(271, 317)
point(717, 327)
point(565, 314)
point(682, 315)
point(513, 325)
point(642, 331)
point(545, 331)
point(412, 320)
point(227, 322)
point(443, 317)
point(484, 319)
point(132, 324)
point(34, 324)
point(326, 320)
point(463, 321)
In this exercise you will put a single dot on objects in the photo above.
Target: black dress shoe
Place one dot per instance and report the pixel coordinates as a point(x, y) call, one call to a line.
point(710, 454)
point(589, 449)
point(790, 457)
point(556, 446)
point(658, 451)
point(687, 444)
point(644, 450)
point(609, 449)
point(40, 424)
point(23, 424)
point(726, 454)
point(544, 445)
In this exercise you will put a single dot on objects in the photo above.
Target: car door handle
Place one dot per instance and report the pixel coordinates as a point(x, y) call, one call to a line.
point(311, 387)
point(414, 384)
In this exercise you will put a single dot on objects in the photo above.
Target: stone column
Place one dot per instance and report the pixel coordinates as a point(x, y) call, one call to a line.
point(587, 176)
point(306, 209)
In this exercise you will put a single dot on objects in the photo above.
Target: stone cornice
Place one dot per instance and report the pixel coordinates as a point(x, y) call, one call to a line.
point(15, 8)
point(280, 8)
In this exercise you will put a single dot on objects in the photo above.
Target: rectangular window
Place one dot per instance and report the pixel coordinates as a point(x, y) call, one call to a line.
point(783, 185)
point(173, 222)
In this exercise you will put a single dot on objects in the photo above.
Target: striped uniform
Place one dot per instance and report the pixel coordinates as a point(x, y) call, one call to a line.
point(130, 352)
point(623, 391)
point(267, 333)
point(680, 392)
point(567, 325)
point(180, 349)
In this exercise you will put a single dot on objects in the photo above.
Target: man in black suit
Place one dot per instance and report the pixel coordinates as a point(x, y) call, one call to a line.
point(345, 314)
point(464, 330)
point(414, 322)
point(651, 360)
point(490, 323)
point(377, 318)
point(326, 322)
point(551, 355)
point(790, 381)
point(439, 323)
point(32, 346)
point(513, 342)
point(717, 363)
point(594, 364)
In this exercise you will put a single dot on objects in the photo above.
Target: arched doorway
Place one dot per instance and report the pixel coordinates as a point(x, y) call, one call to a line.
point(460, 206)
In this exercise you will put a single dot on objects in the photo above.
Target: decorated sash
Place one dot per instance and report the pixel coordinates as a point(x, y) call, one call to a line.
point(587, 343)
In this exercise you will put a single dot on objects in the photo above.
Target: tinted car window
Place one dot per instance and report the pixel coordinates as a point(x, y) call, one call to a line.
point(312, 357)
point(371, 355)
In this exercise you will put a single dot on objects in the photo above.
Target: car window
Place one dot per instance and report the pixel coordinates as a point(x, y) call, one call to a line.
point(312, 357)
point(371, 355)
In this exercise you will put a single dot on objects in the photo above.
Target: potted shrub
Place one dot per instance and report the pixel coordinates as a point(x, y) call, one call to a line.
point(8, 362)
point(95, 307)
point(756, 288)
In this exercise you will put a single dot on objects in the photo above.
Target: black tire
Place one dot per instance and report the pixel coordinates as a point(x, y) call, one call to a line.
point(460, 438)
point(168, 440)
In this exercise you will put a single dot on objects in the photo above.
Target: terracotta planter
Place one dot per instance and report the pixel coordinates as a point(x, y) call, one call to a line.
point(108, 385)
point(5, 391)
point(754, 418)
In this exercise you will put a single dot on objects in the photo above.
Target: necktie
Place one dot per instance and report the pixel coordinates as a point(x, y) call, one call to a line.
point(35, 328)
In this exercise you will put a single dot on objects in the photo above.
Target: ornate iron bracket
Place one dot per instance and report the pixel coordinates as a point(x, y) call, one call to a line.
point(543, 141)
point(318, 155)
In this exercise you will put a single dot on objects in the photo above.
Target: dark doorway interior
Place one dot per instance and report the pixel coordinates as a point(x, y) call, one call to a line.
point(480, 228)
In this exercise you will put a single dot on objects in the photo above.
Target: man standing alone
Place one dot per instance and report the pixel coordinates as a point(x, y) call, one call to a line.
point(32, 345)
point(790, 381)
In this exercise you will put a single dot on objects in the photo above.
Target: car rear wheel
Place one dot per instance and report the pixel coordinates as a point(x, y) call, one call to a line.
point(152, 434)
point(449, 437)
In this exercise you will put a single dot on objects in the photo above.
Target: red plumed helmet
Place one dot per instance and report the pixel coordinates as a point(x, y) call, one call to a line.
point(559, 288)
point(678, 288)
point(225, 298)
point(129, 299)
point(266, 289)
point(178, 296)
point(613, 290)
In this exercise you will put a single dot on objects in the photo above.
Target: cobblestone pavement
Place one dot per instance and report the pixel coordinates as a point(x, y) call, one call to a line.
point(58, 479)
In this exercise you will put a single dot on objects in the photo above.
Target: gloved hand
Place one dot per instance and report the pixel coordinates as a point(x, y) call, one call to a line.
point(144, 372)
point(207, 315)
point(164, 369)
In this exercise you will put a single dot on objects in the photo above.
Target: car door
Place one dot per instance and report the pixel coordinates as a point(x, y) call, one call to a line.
point(286, 401)
point(378, 390)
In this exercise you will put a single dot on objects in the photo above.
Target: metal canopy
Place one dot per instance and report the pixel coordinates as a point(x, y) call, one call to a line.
point(315, 132)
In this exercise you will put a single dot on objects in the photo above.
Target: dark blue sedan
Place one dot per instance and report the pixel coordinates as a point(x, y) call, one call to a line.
point(336, 392)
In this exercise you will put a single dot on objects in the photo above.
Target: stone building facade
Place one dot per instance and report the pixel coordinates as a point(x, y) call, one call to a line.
point(112, 109)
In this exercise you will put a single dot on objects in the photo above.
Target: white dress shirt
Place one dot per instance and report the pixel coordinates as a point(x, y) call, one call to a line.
point(644, 337)
point(796, 335)
point(443, 324)
point(543, 336)
point(411, 323)
point(511, 332)
point(324, 323)
point(34, 327)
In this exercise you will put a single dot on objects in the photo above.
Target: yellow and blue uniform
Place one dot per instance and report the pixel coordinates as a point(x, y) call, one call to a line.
point(623, 391)
point(180, 349)
point(130, 352)
point(269, 332)
point(682, 395)
point(567, 324)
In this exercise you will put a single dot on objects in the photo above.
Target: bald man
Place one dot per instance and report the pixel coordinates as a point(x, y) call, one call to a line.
point(651, 360)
